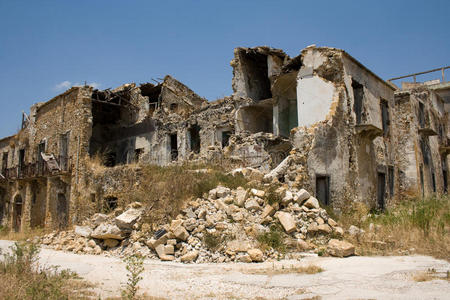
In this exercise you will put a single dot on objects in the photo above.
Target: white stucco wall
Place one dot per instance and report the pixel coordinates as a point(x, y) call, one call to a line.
point(314, 98)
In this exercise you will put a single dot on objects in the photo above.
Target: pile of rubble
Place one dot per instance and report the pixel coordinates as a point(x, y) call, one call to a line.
point(226, 225)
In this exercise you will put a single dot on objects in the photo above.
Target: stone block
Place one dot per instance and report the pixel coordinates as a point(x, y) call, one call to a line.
point(287, 221)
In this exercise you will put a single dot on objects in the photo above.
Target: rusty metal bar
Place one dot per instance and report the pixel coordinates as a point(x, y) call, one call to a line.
point(420, 73)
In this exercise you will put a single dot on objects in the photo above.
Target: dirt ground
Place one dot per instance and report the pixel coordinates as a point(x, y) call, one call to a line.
point(342, 278)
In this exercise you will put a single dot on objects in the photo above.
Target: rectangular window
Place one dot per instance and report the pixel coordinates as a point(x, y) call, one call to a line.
point(225, 138)
point(422, 185)
point(323, 189)
point(358, 95)
point(444, 173)
point(194, 133)
point(174, 146)
point(385, 116)
point(433, 181)
point(21, 161)
point(4, 162)
point(64, 151)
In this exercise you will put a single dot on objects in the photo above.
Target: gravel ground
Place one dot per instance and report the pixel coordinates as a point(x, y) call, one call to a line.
point(342, 278)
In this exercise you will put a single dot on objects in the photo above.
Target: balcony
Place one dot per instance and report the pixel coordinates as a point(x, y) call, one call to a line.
point(444, 146)
point(34, 170)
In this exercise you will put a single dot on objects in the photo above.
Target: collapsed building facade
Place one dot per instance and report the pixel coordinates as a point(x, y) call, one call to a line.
point(320, 120)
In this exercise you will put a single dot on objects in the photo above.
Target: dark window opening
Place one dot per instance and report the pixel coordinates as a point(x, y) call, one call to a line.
point(21, 161)
point(426, 152)
point(421, 115)
point(110, 203)
point(226, 138)
point(138, 154)
point(323, 189)
point(64, 151)
point(358, 95)
point(153, 93)
point(256, 118)
point(433, 181)
point(256, 76)
point(4, 162)
point(381, 190)
point(391, 180)
point(441, 132)
point(93, 199)
point(40, 160)
point(194, 133)
point(174, 146)
point(385, 116)
point(173, 107)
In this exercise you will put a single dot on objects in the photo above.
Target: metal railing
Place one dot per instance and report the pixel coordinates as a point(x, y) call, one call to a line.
point(33, 170)
point(421, 73)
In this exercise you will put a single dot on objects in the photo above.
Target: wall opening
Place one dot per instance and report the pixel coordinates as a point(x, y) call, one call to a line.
point(138, 154)
point(433, 182)
point(226, 138)
point(153, 93)
point(21, 161)
point(421, 115)
point(17, 214)
point(173, 107)
point(2, 204)
point(358, 95)
point(194, 132)
point(62, 211)
point(173, 147)
point(323, 189)
point(426, 152)
point(64, 151)
point(391, 180)
point(385, 117)
point(255, 118)
point(422, 184)
point(287, 116)
point(110, 203)
point(109, 158)
point(40, 159)
point(256, 76)
point(4, 162)
point(381, 190)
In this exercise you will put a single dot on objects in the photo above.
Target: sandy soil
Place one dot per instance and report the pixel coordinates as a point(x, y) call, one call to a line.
point(342, 278)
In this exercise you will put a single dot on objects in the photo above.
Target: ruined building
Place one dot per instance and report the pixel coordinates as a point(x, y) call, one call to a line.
point(320, 120)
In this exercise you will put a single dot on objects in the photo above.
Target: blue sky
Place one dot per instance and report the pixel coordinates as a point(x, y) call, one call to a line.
point(46, 46)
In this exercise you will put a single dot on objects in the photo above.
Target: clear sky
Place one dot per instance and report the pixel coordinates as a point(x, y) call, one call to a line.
point(47, 46)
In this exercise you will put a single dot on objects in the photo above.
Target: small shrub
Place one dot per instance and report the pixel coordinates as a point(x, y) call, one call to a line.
point(273, 238)
point(135, 267)
point(272, 196)
point(212, 241)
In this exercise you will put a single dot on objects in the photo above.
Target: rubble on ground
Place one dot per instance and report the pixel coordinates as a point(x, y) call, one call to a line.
point(226, 225)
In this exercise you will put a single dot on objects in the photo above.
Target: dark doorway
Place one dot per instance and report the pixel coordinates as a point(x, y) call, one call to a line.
point(110, 158)
point(194, 133)
point(226, 138)
point(358, 94)
point(64, 151)
point(323, 189)
point(2, 204)
point(17, 215)
point(174, 146)
point(256, 77)
point(422, 184)
point(110, 203)
point(381, 190)
point(138, 154)
point(433, 182)
point(445, 173)
point(62, 210)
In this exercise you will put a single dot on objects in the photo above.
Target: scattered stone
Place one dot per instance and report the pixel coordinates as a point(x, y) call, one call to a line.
point(256, 255)
point(252, 204)
point(190, 256)
point(127, 219)
point(332, 222)
point(287, 221)
point(324, 228)
point(111, 243)
point(181, 233)
point(257, 193)
point(107, 231)
point(302, 196)
point(83, 231)
point(268, 211)
point(312, 203)
point(340, 248)
point(241, 196)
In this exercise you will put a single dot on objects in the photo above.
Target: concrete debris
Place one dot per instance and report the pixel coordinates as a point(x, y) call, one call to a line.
point(340, 248)
point(209, 232)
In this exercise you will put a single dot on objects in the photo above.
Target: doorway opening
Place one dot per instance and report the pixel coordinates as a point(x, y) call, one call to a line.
point(173, 147)
point(323, 189)
point(62, 210)
point(381, 190)
point(17, 215)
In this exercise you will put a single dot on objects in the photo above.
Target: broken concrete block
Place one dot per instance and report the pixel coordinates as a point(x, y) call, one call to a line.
point(98, 218)
point(252, 204)
point(108, 231)
point(324, 228)
point(166, 257)
point(257, 193)
point(268, 211)
point(287, 221)
point(190, 256)
point(302, 196)
point(127, 219)
point(332, 222)
point(338, 230)
point(241, 196)
point(181, 233)
point(175, 223)
point(160, 250)
point(169, 249)
point(256, 255)
point(222, 191)
point(312, 203)
point(153, 243)
point(340, 248)
point(83, 231)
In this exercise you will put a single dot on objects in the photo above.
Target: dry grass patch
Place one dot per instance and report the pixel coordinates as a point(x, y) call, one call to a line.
point(309, 269)
point(417, 225)
point(7, 234)
point(430, 274)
